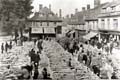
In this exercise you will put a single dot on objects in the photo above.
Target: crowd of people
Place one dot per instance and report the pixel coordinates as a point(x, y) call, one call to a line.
point(95, 55)
point(5, 47)
point(31, 70)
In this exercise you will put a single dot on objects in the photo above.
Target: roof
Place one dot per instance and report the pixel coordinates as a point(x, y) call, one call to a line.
point(45, 14)
point(77, 19)
point(91, 14)
point(112, 4)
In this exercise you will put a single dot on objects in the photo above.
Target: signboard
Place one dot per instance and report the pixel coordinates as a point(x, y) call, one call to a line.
point(37, 30)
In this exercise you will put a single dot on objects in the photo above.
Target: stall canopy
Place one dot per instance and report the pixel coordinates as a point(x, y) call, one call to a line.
point(49, 30)
point(73, 31)
point(90, 35)
point(37, 30)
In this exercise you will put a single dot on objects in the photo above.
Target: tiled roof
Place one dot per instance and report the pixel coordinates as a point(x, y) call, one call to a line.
point(112, 4)
point(91, 14)
point(45, 14)
point(78, 18)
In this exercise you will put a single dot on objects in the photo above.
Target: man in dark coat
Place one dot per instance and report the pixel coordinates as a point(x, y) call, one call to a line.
point(32, 55)
point(37, 59)
point(39, 45)
point(6, 47)
point(2, 47)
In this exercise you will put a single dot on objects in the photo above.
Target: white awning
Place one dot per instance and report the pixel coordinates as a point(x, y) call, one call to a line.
point(37, 30)
point(49, 30)
point(90, 35)
point(73, 31)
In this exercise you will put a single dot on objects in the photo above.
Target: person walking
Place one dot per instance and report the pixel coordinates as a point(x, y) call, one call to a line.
point(39, 45)
point(10, 45)
point(36, 73)
point(44, 73)
point(2, 48)
point(37, 59)
point(6, 47)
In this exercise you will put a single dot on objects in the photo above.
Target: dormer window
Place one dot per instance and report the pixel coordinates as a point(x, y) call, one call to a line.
point(113, 8)
point(104, 10)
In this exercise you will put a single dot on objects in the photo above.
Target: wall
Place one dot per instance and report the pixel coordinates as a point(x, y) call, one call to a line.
point(44, 24)
point(109, 26)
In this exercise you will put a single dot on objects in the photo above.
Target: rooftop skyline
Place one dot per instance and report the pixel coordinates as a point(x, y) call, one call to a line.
point(67, 6)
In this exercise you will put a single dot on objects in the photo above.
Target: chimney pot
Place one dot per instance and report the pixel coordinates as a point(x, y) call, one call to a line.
point(50, 6)
point(88, 6)
point(83, 8)
point(71, 15)
point(60, 13)
point(76, 10)
point(40, 7)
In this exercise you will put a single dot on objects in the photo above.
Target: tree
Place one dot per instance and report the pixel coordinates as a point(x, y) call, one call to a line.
point(15, 13)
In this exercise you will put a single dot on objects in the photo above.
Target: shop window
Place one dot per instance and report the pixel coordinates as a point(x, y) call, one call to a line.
point(47, 23)
point(103, 23)
point(108, 22)
point(40, 23)
point(115, 23)
point(54, 23)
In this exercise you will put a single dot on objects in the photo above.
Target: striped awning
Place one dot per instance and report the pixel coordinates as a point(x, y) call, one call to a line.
point(37, 30)
point(49, 30)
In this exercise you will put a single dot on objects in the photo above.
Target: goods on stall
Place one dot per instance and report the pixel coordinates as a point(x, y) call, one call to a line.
point(15, 58)
point(59, 58)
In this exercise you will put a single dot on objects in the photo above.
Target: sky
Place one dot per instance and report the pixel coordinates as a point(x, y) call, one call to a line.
point(67, 6)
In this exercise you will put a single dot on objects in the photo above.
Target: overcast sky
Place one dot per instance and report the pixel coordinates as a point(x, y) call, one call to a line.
point(67, 6)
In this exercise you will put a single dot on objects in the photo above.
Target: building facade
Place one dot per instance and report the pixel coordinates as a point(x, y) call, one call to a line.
point(45, 23)
point(109, 20)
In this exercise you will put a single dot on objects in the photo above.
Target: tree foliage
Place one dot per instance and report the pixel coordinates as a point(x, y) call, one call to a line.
point(14, 13)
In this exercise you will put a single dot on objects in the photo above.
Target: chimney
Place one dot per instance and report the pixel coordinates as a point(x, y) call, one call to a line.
point(88, 6)
point(83, 8)
point(40, 7)
point(76, 10)
point(71, 15)
point(57, 14)
point(60, 13)
point(96, 3)
point(50, 6)
point(67, 16)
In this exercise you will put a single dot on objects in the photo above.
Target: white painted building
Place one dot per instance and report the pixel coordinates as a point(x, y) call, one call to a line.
point(109, 19)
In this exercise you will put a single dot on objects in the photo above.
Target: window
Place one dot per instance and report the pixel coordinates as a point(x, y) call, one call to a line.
point(40, 23)
point(103, 23)
point(113, 8)
point(55, 23)
point(108, 22)
point(115, 23)
point(47, 23)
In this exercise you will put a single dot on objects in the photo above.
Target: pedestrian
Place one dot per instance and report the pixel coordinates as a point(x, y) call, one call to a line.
point(69, 63)
point(44, 73)
point(2, 48)
point(32, 55)
point(6, 47)
point(37, 59)
point(10, 45)
point(84, 58)
point(25, 73)
point(96, 70)
point(39, 45)
point(35, 41)
point(36, 73)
